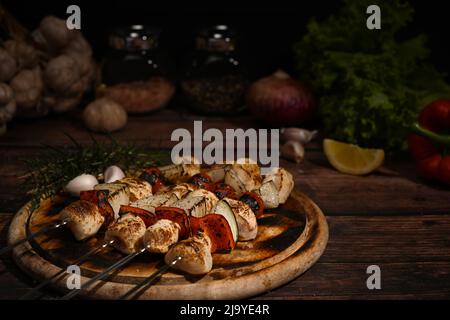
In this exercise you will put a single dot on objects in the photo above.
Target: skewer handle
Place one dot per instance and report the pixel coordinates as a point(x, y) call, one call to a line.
point(103, 274)
point(80, 260)
point(33, 235)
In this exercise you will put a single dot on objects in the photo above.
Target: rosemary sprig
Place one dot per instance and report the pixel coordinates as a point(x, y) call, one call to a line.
point(49, 172)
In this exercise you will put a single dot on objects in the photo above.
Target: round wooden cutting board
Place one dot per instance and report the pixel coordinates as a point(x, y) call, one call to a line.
point(290, 240)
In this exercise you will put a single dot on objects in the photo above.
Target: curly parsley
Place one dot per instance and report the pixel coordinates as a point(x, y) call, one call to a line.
point(371, 85)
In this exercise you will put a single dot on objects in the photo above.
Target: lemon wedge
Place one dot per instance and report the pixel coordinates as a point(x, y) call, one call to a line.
point(351, 159)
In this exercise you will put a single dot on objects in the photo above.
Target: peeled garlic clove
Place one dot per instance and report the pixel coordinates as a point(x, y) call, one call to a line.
point(83, 182)
point(298, 134)
point(293, 150)
point(113, 173)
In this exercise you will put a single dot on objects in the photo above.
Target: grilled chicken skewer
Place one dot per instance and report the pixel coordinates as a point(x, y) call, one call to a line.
point(181, 172)
point(103, 274)
point(192, 255)
point(84, 218)
point(84, 221)
point(130, 228)
point(195, 253)
point(274, 189)
point(159, 227)
point(165, 231)
point(218, 223)
point(98, 208)
point(176, 191)
point(170, 225)
point(126, 234)
point(197, 202)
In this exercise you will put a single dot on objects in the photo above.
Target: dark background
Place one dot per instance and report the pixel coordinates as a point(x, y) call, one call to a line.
point(268, 28)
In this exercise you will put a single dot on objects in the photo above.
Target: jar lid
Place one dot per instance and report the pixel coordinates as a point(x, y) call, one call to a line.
point(134, 37)
point(217, 38)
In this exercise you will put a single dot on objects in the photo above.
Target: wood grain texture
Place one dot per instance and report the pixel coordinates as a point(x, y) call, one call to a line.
point(414, 265)
point(395, 190)
point(152, 130)
point(390, 217)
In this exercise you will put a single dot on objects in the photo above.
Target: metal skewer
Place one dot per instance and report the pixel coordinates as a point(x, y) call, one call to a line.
point(79, 261)
point(103, 274)
point(145, 284)
point(33, 235)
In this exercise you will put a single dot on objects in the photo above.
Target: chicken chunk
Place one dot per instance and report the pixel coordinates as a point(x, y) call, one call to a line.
point(243, 177)
point(195, 254)
point(138, 188)
point(159, 237)
point(84, 218)
point(127, 233)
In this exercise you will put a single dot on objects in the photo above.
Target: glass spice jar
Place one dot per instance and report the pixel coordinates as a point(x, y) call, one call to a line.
point(215, 80)
point(135, 72)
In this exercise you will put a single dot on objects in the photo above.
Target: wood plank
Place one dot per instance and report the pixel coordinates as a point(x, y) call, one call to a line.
point(152, 130)
point(386, 239)
point(422, 280)
point(413, 253)
point(395, 190)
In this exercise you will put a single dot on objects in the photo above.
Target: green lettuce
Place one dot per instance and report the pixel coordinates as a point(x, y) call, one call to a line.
point(371, 85)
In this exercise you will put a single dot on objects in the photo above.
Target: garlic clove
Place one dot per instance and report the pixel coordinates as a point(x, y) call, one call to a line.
point(113, 173)
point(83, 182)
point(298, 134)
point(293, 150)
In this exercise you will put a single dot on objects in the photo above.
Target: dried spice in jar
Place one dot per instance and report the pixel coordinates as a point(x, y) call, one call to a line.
point(215, 80)
point(136, 73)
point(221, 95)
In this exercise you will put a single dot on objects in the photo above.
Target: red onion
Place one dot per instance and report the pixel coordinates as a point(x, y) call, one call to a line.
point(280, 100)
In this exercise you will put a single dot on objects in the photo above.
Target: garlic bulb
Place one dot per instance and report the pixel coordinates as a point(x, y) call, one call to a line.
point(104, 115)
point(298, 134)
point(113, 173)
point(293, 150)
point(83, 182)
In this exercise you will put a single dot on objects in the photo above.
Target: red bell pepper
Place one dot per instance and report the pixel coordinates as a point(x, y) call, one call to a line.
point(147, 217)
point(176, 215)
point(202, 180)
point(100, 199)
point(430, 143)
point(153, 176)
point(222, 190)
point(217, 229)
point(254, 201)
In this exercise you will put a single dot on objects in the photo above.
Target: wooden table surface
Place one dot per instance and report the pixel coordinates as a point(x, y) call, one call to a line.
point(389, 218)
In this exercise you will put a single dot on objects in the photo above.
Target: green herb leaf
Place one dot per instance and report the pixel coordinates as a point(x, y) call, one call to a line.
point(371, 85)
point(48, 173)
